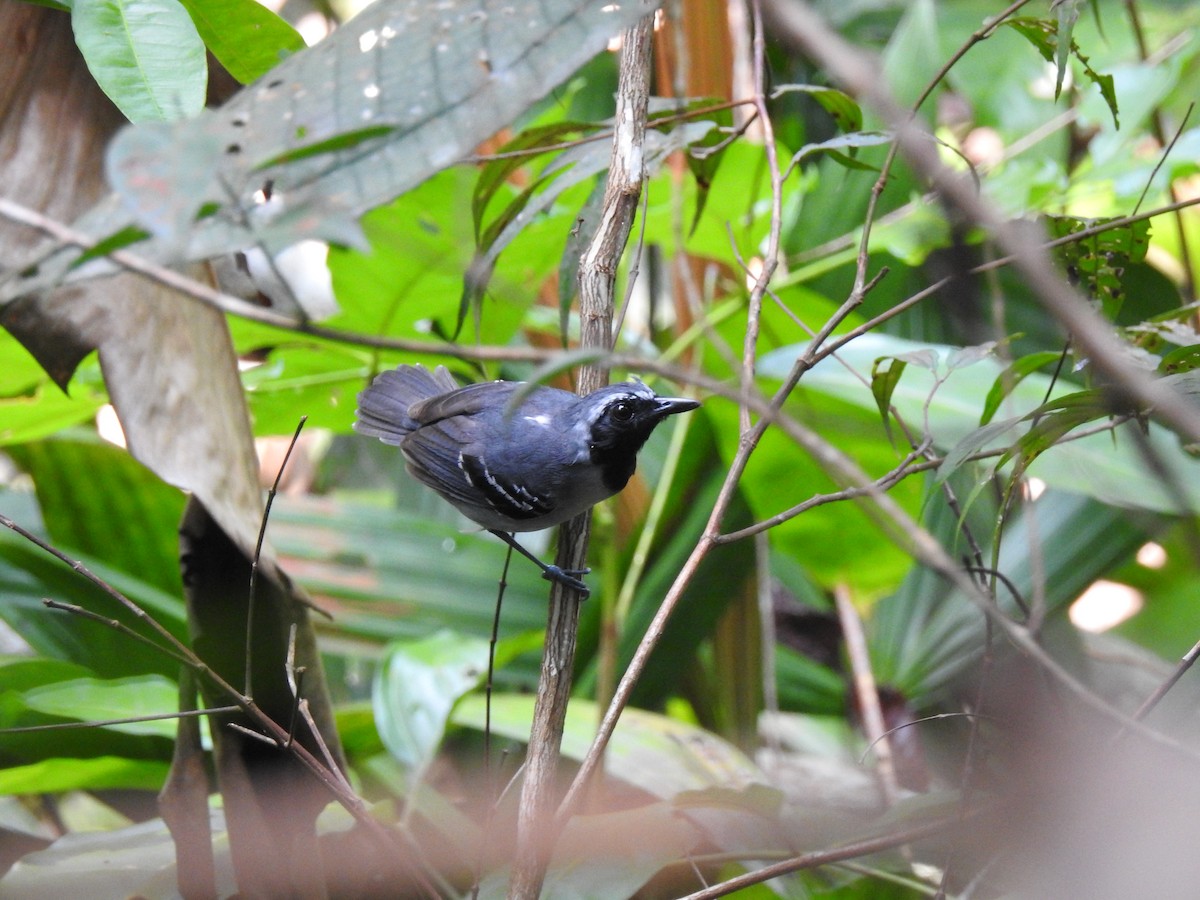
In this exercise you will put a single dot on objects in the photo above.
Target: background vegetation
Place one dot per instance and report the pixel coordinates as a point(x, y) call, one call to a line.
point(921, 443)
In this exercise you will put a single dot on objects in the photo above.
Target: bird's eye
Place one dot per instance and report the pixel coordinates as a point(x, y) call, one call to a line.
point(622, 411)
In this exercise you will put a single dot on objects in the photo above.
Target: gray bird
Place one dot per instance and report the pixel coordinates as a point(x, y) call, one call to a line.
point(521, 467)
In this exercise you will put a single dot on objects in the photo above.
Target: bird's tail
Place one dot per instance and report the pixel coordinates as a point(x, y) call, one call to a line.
point(383, 407)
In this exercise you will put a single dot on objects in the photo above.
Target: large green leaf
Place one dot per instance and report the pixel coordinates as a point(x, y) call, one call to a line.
point(31, 405)
point(246, 37)
point(145, 54)
point(387, 575)
point(28, 575)
point(52, 776)
point(122, 513)
point(574, 166)
point(417, 685)
point(659, 755)
point(93, 700)
point(437, 78)
point(26, 677)
point(830, 540)
point(408, 283)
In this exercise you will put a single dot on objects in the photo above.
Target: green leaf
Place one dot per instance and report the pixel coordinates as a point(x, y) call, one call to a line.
point(32, 406)
point(94, 700)
point(415, 689)
point(1067, 13)
point(409, 282)
point(578, 239)
point(347, 140)
point(1043, 35)
point(123, 513)
point(662, 756)
point(983, 438)
point(1051, 426)
point(1181, 359)
point(569, 168)
point(1097, 263)
point(883, 385)
point(27, 575)
point(126, 237)
point(850, 142)
point(704, 158)
point(52, 776)
point(521, 151)
point(146, 55)
point(17, 673)
point(845, 111)
point(245, 37)
point(396, 575)
point(1013, 375)
point(928, 635)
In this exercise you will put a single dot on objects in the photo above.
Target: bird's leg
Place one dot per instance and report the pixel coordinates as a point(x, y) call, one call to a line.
point(569, 577)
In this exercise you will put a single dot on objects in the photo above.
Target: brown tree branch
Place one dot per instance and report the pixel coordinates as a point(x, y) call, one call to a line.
point(597, 279)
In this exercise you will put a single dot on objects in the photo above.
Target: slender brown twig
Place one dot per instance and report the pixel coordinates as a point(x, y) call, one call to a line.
point(254, 561)
point(814, 860)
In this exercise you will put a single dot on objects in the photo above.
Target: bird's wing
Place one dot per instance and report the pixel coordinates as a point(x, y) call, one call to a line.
point(472, 400)
point(455, 454)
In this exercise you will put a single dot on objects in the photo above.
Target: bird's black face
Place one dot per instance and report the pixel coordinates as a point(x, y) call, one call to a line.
point(623, 425)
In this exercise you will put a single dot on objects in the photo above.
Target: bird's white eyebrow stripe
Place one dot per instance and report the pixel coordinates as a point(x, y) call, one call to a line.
point(540, 419)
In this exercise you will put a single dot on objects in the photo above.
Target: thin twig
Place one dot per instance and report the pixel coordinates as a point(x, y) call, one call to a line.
point(983, 32)
point(116, 624)
point(906, 467)
point(1160, 133)
point(1162, 159)
point(818, 858)
point(597, 275)
point(258, 545)
point(866, 692)
point(132, 720)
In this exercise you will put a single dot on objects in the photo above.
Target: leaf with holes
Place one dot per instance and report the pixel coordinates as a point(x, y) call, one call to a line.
point(441, 76)
point(1097, 262)
point(1044, 36)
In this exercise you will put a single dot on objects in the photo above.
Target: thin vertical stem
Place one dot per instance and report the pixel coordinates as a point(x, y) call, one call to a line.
point(597, 279)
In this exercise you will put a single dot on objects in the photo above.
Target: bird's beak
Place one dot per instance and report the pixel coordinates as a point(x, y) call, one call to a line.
point(669, 406)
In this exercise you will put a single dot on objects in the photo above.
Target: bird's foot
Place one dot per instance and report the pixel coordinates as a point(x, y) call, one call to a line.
point(569, 577)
